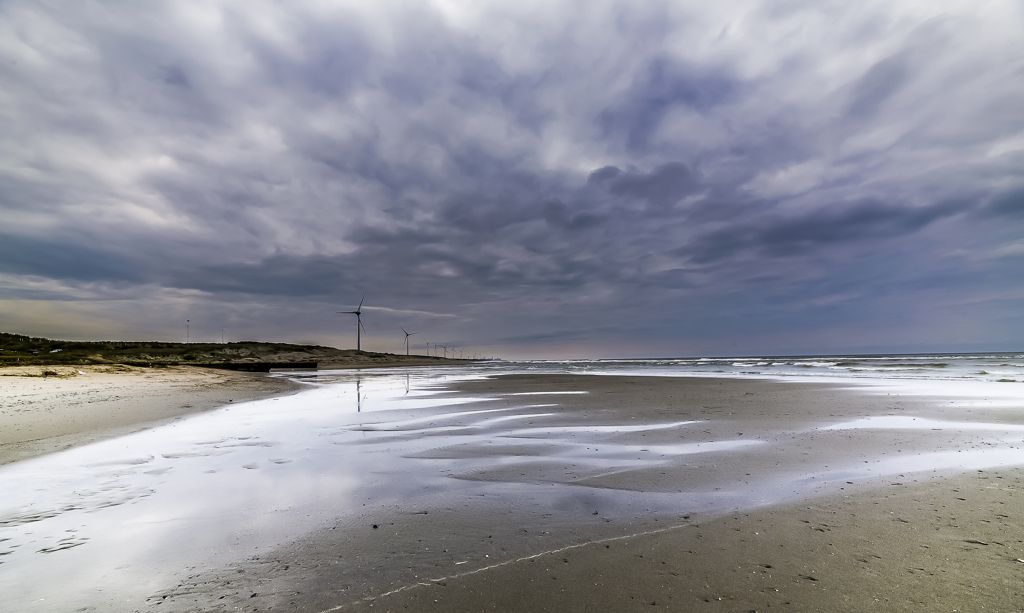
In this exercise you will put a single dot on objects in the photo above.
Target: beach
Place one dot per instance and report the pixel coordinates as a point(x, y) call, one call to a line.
point(526, 492)
point(44, 409)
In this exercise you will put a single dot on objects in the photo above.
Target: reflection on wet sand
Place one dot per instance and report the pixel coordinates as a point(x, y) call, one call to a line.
point(177, 505)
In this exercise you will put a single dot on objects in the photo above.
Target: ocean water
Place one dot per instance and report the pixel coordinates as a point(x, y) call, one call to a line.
point(981, 367)
point(123, 520)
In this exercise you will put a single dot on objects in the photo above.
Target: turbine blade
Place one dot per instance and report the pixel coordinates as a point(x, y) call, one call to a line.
point(361, 301)
point(403, 330)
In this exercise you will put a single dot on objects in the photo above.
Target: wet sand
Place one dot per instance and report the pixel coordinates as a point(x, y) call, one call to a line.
point(826, 520)
point(83, 404)
point(951, 545)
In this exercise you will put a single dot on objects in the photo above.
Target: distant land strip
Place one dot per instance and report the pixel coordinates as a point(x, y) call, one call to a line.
point(251, 356)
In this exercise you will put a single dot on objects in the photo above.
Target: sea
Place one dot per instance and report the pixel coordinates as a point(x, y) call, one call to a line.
point(972, 367)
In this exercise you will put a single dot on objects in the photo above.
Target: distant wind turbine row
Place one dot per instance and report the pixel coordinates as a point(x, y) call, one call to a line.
point(359, 329)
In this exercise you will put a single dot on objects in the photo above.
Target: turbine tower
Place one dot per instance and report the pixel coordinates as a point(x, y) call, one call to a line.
point(407, 335)
point(359, 321)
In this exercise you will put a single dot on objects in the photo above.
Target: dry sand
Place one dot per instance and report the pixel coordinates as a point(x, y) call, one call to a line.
point(78, 405)
point(948, 541)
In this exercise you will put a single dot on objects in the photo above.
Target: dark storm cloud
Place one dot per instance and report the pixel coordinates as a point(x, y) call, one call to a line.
point(1010, 204)
point(879, 83)
point(663, 186)
point(721, 170)
point(661, 86)
point(864, 222)
point(60, 260)
point(332, 62)
point(281, 275)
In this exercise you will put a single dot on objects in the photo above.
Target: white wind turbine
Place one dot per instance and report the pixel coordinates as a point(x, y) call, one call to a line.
point(407, 335)
point(359, 321)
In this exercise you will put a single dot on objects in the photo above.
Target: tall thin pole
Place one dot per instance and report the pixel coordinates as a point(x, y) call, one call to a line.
point(221, 337)
point(186, 331)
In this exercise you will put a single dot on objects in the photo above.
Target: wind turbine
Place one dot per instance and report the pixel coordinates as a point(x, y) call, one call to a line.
point(359, 321)
point(445, 346)
point(407, 335)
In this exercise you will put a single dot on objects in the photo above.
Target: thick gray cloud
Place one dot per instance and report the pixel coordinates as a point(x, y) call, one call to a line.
point(526, 180)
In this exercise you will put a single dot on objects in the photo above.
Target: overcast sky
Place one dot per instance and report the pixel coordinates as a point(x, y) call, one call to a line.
point(519, 179)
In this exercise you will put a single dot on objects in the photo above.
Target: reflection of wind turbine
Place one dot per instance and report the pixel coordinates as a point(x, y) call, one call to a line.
point(359, 321)
point(407, 335)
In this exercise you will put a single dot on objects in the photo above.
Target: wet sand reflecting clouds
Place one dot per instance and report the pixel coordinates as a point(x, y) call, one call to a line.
point(370, 484)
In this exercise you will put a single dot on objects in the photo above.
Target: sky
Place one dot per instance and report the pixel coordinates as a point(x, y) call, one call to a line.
point(517, 179)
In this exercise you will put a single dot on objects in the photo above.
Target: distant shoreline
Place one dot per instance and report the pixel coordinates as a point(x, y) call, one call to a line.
point(21, 350)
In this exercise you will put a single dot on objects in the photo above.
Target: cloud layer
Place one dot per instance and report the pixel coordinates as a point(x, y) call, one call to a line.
point(531, 180)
